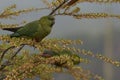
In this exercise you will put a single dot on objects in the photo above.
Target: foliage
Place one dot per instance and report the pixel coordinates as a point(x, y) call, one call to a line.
point(14, 66)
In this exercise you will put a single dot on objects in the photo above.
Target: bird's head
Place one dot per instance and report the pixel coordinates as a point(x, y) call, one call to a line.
point(47, 20)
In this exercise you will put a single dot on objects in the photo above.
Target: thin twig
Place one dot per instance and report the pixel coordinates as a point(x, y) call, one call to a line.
point(88, 15)
point(18, 51)
point(58, 7)
point(6, 52)
point(6, 63)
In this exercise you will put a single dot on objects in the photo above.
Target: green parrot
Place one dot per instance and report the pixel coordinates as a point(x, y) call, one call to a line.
point(74, 57)
point(36, 30)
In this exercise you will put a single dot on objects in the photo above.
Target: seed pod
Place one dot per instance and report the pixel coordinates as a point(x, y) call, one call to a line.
point(76, 10)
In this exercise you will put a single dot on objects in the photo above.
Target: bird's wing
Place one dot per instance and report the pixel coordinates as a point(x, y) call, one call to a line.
point(28, 30)
point(12, 29)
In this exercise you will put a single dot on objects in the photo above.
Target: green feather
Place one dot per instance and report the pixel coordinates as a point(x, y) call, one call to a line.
point(37, 30)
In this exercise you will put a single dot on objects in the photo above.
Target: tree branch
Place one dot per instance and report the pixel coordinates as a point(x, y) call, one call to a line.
point(6, 52)
point(7, 63)
point(58, 7)
point(18, 51)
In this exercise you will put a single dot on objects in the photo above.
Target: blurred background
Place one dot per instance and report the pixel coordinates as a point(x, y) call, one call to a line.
point(99, 35)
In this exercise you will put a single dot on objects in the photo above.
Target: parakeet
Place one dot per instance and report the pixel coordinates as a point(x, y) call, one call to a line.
point(74, 57)
point(36, 30)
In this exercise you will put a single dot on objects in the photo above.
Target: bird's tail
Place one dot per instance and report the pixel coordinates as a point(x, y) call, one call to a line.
point(14, 35)
point(12, 29)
